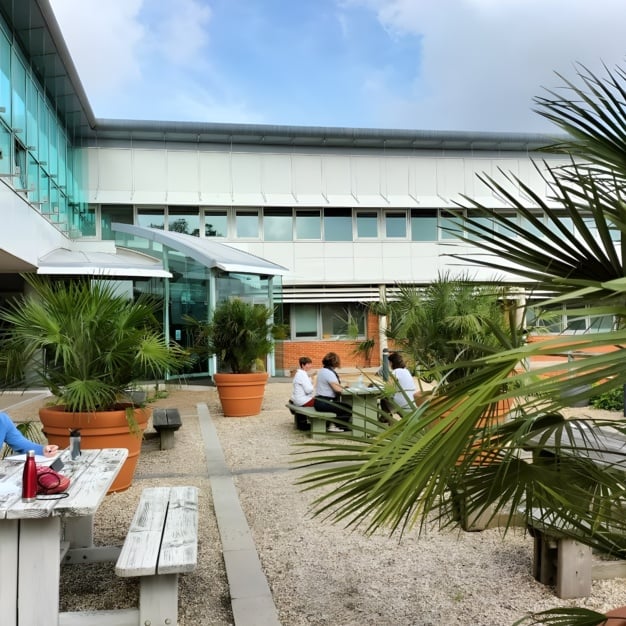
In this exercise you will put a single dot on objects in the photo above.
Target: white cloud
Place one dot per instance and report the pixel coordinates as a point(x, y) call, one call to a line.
point(484, 60)
point(470, 65)
point(103, 38)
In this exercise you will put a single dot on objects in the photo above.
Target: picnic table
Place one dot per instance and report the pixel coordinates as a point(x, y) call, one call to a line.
point(36, 536)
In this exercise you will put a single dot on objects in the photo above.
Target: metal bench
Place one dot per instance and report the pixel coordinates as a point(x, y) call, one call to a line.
point(161, 543)
point(166, 422)
point(317, 419)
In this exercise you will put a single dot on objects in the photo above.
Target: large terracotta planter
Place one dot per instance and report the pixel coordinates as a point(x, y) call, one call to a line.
point(107, 429)
point(241, 395)
point(617, 617)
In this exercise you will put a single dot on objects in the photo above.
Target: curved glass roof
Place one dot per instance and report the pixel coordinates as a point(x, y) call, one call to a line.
point(208, 252)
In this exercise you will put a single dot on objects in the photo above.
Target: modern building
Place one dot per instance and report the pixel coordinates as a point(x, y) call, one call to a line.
point(314, 221)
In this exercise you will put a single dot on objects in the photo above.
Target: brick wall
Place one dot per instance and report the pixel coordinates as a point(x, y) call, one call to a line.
point(287, 353)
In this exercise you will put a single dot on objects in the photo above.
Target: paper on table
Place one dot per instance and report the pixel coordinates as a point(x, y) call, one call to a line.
point(42, 460)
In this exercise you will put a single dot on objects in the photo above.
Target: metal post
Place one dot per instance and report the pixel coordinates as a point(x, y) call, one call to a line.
point(385, 364)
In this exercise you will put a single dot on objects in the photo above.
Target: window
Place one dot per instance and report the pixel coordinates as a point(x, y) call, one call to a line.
point(424, 225)
point(308, 224)
point(185, 220)
point(338, 224)
point(305, 320)
point(477, 218)
point(152, 218)
point(247, 224)
point(114, 213)
point(215, 223)
point(395, 224)
point(330, 321)
point(366, 224)
point(277, 225)
point(448, 220)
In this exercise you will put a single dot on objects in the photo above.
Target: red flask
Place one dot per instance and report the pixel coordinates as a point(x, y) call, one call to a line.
point(29, 478)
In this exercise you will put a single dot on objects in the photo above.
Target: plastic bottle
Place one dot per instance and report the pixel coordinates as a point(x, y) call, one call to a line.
point(361, 384)
point(29, 478)
point(74, 444)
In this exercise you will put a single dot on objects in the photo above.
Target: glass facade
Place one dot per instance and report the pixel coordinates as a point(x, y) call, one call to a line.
point(36, 154)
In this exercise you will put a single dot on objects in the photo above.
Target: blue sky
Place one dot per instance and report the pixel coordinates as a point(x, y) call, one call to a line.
point(415, 64)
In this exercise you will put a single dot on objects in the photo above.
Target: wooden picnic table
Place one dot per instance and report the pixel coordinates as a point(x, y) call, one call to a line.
point(36, 536)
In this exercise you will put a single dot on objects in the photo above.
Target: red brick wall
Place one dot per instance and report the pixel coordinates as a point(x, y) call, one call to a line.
point(287, 353)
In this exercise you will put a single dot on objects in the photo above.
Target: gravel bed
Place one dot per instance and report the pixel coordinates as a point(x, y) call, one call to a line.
point(320, 574)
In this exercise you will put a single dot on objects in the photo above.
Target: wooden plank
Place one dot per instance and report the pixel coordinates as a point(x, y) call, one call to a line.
point(38, 572)
point(179, 545)
point(140, 552)
point(573, 575)
point(9, 532)
point(115, 617)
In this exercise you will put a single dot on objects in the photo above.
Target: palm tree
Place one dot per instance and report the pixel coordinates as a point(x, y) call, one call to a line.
point(448, 322)
point(403, 476)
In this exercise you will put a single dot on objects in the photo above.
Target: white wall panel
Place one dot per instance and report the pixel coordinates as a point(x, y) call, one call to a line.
point(337, 180)
point(215, 178)
point(183, 171)
point(150, 168)
point(366, 180)
point(114, 169)
point(307, 180)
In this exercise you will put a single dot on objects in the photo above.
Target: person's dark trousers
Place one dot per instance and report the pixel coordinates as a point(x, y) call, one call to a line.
point(330, 405)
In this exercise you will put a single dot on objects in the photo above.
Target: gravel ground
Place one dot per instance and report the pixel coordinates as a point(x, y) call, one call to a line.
point(320, 574)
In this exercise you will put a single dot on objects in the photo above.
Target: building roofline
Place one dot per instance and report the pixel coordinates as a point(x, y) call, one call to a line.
point(38, 31)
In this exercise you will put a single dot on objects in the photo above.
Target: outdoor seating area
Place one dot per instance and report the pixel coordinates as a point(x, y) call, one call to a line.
point(318, 572)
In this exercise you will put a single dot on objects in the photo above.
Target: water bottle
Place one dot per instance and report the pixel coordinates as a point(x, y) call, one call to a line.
point(29, 478)
point(361, 384)
point(74, 444)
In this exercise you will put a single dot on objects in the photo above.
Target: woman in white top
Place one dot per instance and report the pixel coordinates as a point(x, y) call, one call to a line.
point(402, 400)
point(327, 392)
point(302, 392)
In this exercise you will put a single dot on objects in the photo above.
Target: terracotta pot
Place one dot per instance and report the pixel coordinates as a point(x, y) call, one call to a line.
point(241, 395)
point(106, 429)
point(617, 617)
point(494, 414)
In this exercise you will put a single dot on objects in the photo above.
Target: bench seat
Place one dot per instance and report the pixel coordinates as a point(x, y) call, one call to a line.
point(317, 419)
point(161, 543)
point(166, 422)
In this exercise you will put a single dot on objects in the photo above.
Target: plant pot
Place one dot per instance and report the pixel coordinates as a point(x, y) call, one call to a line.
point(106, 429)
point(241, 395)
point(617, 617)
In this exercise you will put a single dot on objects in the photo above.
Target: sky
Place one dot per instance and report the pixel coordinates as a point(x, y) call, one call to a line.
point(444, 65)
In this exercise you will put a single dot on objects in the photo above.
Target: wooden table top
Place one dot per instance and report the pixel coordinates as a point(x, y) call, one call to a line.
point(90, 476)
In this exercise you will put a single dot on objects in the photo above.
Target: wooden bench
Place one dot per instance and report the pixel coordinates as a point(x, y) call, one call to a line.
point(559, 558)
point(166, 422)
point(161, 543)
point(317, 419)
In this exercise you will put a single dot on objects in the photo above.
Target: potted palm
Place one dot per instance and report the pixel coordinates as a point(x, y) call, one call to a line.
point(87, 345)
point(573, 256)
point(240, 336)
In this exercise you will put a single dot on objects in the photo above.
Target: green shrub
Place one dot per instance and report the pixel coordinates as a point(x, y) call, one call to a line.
point(612, 400)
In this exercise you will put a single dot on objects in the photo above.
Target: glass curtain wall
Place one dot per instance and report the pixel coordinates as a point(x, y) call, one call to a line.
point(37, 156)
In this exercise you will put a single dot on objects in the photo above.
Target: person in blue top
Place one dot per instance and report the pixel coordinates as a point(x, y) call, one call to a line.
point(10, 435)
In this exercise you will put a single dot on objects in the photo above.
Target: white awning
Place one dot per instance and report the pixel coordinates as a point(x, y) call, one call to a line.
point(122, 262)
point(206, 251)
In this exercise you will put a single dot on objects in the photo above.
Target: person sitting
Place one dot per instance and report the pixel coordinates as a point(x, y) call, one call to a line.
point(328, 391)
point(402, 400)
point(302, 392)
point(10, 435)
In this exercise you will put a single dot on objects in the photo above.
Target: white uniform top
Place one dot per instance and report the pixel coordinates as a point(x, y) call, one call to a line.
point(302, 390)
point(405, 381)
